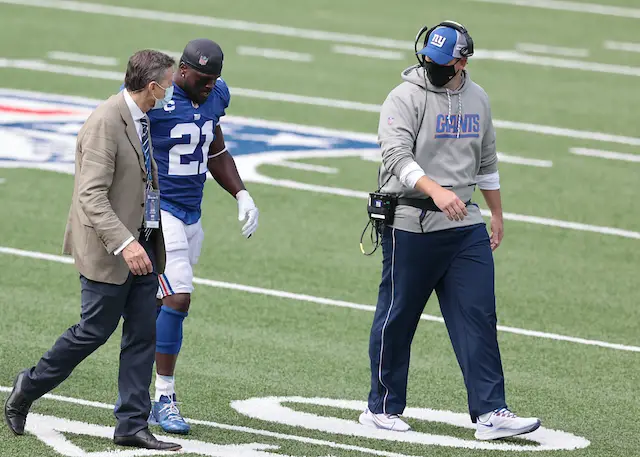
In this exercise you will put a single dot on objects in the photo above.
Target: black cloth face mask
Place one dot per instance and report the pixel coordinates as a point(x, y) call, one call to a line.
point(439, 75)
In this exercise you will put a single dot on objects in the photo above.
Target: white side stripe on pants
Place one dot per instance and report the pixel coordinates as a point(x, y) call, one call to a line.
point(384, 326)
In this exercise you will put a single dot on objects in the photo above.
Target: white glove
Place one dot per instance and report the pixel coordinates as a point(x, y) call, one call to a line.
point(248, 211)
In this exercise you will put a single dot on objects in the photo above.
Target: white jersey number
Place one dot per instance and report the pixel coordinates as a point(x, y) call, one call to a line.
point(194, 167)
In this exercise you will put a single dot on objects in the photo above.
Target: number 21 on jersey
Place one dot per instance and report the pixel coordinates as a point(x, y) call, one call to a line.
point(196, 134)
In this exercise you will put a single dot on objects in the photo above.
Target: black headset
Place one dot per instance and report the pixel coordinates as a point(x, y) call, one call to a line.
point(467, 51)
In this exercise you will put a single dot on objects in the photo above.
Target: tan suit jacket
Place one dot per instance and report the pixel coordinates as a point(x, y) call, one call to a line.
point(107, 206)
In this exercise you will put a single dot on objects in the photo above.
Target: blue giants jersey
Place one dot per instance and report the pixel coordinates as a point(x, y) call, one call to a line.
point(181, 134)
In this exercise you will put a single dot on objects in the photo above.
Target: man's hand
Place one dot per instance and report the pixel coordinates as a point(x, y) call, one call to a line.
point(449, 203)
point(248, 211)
point(497, 231)
point(137, 259)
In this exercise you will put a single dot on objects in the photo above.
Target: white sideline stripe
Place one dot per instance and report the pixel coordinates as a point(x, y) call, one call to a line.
point(236, 428)
point(605, 154)
point(316, 101)
point(578, 7)
point(368, 52)
point(622, 46)
point(215, 22)
point(556, 62)
point(306, 167)
point(278, 54)
point(338, 303)
point(556, 50)
point(506, 158)
point(83, 58)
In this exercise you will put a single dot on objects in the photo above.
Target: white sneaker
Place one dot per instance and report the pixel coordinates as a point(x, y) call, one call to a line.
point(383, 421)
point(503, 423)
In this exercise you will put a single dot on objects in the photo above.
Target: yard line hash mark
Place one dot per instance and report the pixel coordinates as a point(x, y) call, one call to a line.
point(277, 54)
point(83, 58)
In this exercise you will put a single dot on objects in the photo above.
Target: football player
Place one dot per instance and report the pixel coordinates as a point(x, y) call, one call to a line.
point(187, 142)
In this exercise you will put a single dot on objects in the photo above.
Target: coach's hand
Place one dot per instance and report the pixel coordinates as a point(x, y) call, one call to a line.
point(450, 204)
point(137, 259)
point(497, 230)
point(247, 211)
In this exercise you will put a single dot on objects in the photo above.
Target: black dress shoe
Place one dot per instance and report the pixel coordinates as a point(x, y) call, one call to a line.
point(144, 439)
point(17, 407)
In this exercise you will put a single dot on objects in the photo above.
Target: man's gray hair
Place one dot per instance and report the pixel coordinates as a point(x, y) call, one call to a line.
point(146, 66)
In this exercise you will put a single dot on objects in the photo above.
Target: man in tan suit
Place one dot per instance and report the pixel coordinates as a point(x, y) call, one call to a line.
point(114, 235)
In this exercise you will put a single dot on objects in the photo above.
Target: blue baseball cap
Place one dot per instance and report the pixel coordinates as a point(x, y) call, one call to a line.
point(444, 45)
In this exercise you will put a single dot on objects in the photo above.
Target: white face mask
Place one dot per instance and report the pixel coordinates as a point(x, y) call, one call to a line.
point(162, 102)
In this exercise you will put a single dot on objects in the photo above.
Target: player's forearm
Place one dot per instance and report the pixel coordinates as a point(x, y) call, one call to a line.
point(224, 171)
point(494, 202)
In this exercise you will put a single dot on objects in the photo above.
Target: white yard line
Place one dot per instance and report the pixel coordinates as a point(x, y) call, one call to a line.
point(568, 133)
point(576, 7)
point(83, 58)
point(306, 167)
point(318, 101)
point(208, 21)
point(556, 62)
point(175, 54)
point(554, 50)
point(622, 46)
point(611, 155)
point(39, 65)
point(368, 52)
point(517, 160)
point(338, 303)
point(273, 29)
point(277, 54)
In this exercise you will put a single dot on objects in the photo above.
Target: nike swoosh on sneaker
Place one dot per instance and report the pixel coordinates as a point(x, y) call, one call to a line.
point(488, 424)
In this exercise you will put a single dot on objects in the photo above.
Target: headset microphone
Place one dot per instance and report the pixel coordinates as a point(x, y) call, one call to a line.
point(420, 57)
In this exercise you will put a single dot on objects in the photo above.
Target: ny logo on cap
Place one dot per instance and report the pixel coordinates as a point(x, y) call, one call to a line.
point(438, 40)
point(203, 60)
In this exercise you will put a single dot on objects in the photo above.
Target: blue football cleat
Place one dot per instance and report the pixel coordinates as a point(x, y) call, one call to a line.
point(166, 414)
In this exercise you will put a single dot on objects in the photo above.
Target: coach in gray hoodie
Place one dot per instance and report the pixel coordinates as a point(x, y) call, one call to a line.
point(438, 144)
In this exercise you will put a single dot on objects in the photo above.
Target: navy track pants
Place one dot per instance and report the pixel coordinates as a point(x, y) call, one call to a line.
point(458, 264)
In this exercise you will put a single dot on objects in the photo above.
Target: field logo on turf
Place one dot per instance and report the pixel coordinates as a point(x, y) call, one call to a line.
point(55, 431)
point(39, 131)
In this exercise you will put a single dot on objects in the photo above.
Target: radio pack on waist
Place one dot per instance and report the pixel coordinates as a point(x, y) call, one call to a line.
point(382, 207)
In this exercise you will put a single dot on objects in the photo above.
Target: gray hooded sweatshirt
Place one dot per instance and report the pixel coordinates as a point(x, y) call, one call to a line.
point(453, 144)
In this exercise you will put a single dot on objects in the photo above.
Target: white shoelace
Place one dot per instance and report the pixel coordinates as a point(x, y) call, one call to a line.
point(173, 413)
point(505, 412)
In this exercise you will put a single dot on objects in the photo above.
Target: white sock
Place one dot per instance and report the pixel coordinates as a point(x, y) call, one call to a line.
point(485, 417)
point(165, 385)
